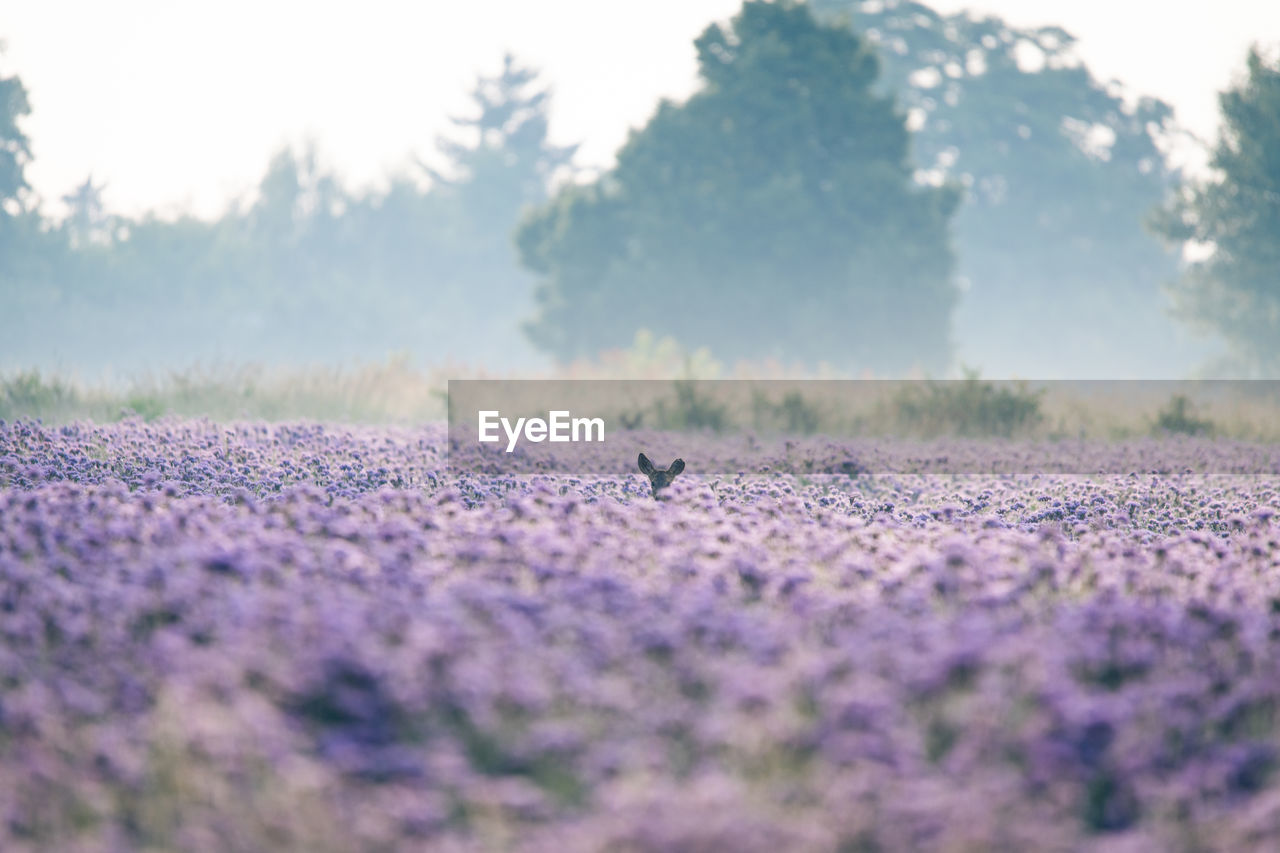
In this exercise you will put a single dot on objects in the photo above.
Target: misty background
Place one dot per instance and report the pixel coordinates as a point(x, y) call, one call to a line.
point(851, 188)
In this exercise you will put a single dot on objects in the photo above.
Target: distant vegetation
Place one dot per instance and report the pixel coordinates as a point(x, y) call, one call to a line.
point(387, 393)
point(1060, 169)
point(1235, 292)
point(304, 272)
point(394, 392)
point(1179, 417)
point(773, 213)
point(858, 188)
point(969, 407)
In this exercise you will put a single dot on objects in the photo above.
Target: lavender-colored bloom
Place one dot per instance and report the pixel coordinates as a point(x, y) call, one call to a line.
point(298, 636)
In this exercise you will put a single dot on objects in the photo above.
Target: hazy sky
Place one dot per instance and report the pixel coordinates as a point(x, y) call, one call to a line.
point(180, 104)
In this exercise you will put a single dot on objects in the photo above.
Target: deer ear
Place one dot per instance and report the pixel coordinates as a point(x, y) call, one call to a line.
point(676, 467)
point(646, 467)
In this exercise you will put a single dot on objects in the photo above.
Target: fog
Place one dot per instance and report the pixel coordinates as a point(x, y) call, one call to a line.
point(970, 198)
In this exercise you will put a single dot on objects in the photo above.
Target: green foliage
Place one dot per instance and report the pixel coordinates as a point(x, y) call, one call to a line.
point(970, 408)
point(772, 215)
point(1062, 278)
point(1179, 416)
point(690, 410)
point(649, 357)
point(1235, 292)
point(143, 406)
point(29, 393)
point(383, 393)
point(792, 415)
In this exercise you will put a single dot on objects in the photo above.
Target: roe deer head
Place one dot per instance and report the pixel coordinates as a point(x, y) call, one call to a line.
point(660, 478)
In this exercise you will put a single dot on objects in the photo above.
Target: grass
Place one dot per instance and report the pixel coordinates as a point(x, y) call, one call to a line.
point(395, 392)
point(387, 393)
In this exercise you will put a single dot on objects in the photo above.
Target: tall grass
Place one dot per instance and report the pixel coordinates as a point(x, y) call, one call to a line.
point(392, 392)
point(396, 392)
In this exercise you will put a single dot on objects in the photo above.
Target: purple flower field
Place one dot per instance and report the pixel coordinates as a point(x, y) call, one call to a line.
point(303, 637)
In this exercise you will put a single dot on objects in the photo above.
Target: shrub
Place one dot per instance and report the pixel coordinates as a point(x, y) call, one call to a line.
point(792, 415)
point(1178, 416)
point(968, 407)
point(690, 410)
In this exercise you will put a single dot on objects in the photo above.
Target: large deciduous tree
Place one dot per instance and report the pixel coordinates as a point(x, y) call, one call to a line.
point(1235, 290)
point(772, 214)
point(1060, 277)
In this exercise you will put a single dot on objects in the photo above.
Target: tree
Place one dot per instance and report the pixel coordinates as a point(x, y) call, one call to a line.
point(773, 214)
point(303, 272)
point(30, 252)
point(15, 154)
point(1235, 291)
point(1060, 276)
point(500, 163)
point(87, 222)
point(510, 163)
point(15, 149)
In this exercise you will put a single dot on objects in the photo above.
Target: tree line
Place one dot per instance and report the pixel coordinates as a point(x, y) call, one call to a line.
point(307, 272)
point(875, 187)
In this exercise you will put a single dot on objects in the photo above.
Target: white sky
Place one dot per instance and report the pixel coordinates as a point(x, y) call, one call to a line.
point(178, 104)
